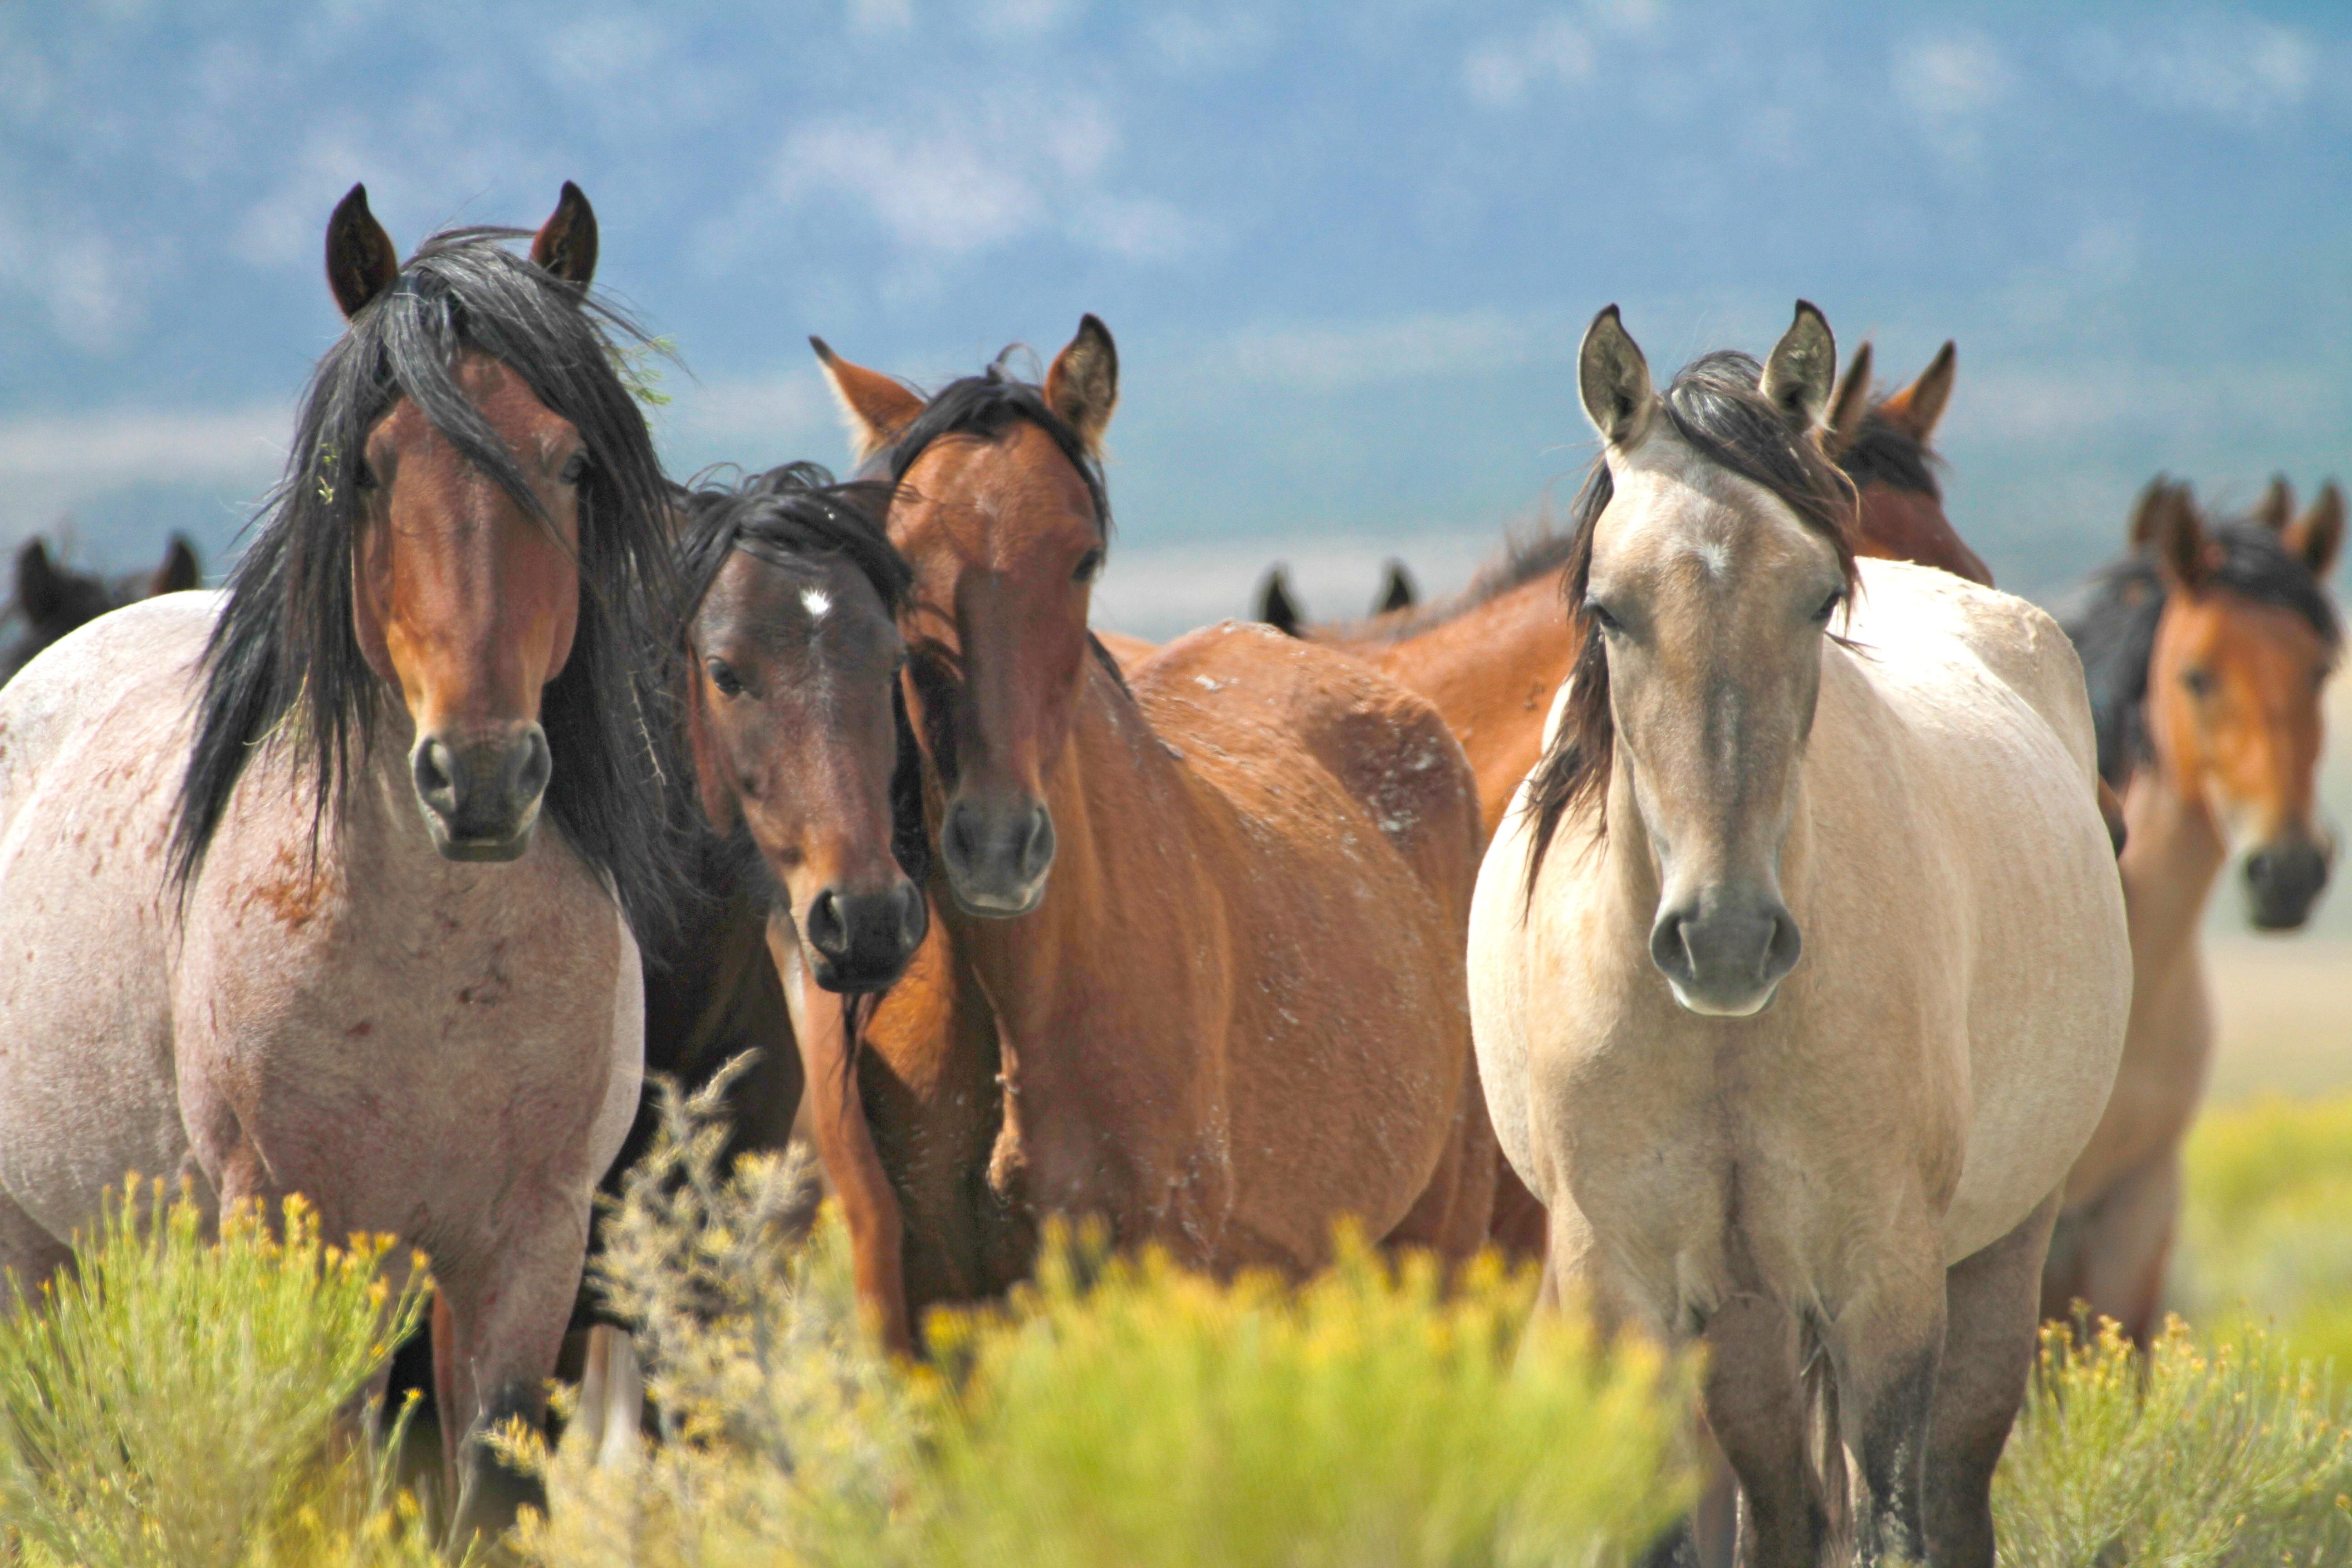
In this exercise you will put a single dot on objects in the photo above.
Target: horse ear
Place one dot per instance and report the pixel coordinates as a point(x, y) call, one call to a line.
point(1275, 608)
point(2147, 512)
point(1613, 380)
point(874, 407)
point(1803, 369)
point(180, 570)
point(1082, 385)
point(718, 804)
point(1918, 407)
point(2182, 551)
point(41, 588)
point(1848, 405)
point(2276, 508)
point(2318, 534)
point(565, 244)
point(1396, 589)
point(360, 261)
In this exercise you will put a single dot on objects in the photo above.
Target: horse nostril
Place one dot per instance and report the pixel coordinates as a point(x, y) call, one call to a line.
point(436, 767)
point(1788, 944)
point(538, 765)
point(827, 930)
point(1037, 844)
point(1669, 951)
point(959, 834)
point(914, 915)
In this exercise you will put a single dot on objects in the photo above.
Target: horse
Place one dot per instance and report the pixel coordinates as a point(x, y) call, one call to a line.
point(327, 883)
point(1277, 602)
point(51, 599)
point(1196, 961)
point(2207, 650)
point(1799, 968)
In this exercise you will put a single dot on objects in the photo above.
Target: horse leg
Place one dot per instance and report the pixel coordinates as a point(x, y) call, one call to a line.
point(498, 1326)
point(1989, 1328)
point(1885, 1347)
point(1755, 1405)
point(30, 1255)
point(1451, 1215)
point(2118, 1245)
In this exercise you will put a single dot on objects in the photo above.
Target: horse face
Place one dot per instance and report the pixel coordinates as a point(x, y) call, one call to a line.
point(467, 603)
point(1006, 545)
point(792, 722)
point(1711, 597)
point(2234, 693)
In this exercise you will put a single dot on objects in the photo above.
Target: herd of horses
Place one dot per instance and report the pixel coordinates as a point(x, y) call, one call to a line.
point(1730, 899)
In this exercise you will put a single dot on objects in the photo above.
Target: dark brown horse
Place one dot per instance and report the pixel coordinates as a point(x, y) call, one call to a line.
point(2206, 648)
point(1199, 945)
point(52, 599)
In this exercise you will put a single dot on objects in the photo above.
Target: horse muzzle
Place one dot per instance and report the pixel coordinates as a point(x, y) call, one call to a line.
point(481, 793)
point(997, 855)
point(2283, 880)
point(862, 941)
point(1725, 956)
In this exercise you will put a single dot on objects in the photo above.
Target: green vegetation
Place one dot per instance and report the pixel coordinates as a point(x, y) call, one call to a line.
point(182, 1400)
point(178, 1401)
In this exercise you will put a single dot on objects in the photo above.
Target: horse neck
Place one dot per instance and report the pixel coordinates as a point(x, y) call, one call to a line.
point(2173, 853)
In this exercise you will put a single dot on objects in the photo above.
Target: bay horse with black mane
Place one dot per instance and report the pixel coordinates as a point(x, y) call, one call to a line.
point(1196, 960)
point(2206, 649)
point(327, 884)
point(1799, 967)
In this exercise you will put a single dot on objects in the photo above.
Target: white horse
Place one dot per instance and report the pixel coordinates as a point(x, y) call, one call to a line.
point(321, 885)
point(1839, 1172)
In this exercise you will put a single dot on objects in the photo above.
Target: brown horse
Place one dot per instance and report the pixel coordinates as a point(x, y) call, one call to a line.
point(327, 884)
point(51, 599)
point(1202, 932)
point(2206, 649)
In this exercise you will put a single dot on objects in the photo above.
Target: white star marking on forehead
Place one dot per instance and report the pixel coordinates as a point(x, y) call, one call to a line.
point(816, 601)
point(1714, 557)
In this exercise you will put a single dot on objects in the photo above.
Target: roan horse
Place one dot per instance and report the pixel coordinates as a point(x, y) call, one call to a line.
point(51, 600)
point(326, 884)
point(2206, 649)
point(1840, 1174)
point(1197, 963)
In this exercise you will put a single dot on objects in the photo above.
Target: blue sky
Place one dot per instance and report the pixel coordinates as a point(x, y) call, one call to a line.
point(1347, 249)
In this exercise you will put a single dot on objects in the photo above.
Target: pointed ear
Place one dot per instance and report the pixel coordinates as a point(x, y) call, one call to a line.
point(2318, 534)
point(1396, 590)
point(1918, 406)
point(1848, 405)
point(2183, 553)
point(1803, 369)
point(2148, 512)
point(41, 588)
point(1275, 608)
point(1613, 379)
point(2276, 508)
point(566, 243)
point(718, 804)
point(874, 407)
point(360, 261)
point(1082, 386)
point(179, 571)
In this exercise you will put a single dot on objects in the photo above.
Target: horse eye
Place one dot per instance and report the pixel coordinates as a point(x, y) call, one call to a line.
point(1599, 613)
point(1829, 605)
point(2199, 681)
point(723, 678)
point(1088, 565)
point(575, 469)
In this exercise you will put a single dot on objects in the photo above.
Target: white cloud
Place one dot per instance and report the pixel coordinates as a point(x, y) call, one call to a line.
point(1950, 84)
point(1556, 51)
point(2239, 70)
point(52, 463)
point(1409, 348)
point(93, 291)
point(1025, 19)
point(597, 52)
point(1193, 45)
point(756, 421)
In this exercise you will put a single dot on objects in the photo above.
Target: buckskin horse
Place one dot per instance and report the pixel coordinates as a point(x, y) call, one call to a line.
point(1196, 967)
point(1839, 1173)
point(2207, 650)
point(326, 883)
point(52, 599)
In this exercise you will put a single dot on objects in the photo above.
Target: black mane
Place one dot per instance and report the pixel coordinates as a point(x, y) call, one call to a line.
point(284, 648)
point(2114, 628)
point(1883, 453)
point(1717, 408)
point(982, 407)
